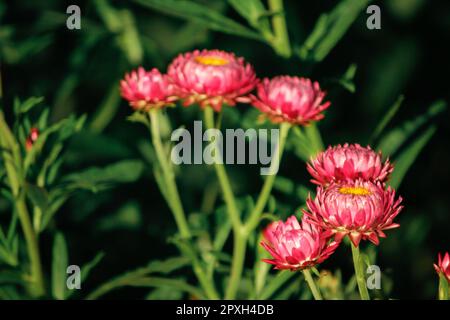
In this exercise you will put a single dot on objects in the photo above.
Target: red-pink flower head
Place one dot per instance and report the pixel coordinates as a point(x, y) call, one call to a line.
point(347, 163)
point(296, 246)
point(443, 266)
point(31, 139)
point(290, 99)
point(146, 90)
point(212, 77)
point(360, 209)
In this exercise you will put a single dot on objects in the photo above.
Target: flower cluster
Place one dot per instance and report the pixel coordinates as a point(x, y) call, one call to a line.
point(352, 200)
point(212, 78)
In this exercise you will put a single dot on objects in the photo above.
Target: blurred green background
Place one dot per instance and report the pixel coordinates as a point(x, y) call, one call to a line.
point(79, 70)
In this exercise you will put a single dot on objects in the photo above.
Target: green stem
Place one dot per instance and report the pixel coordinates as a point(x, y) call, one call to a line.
point(240, 236)
point(443, 288)
point(263, 197)
point(169, 177)
point(31, 239)
point(312, 285)
point(281, 41)
point(359, 273)
point(174, 201)
point(237, 265)
point(223, 179)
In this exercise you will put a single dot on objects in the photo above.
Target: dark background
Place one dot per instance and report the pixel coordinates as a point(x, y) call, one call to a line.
point(75, 70)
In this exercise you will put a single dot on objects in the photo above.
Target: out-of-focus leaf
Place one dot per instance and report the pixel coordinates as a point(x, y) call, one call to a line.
point(133, 277)
point(27, 105)
point(11, 277)
point(276, 283)
point(129, 40)
point(127, 217)
point(347, 79)
point(395, 138)
point(201, 14)
point(255, 13)
point(59, 267)
point(165, 293)
point(330, 28)
point(87, 268)
point(96, 178)
point(406, 158)
point(109, 15)
point(107, 109)
point(392, 111)
point(37, 195)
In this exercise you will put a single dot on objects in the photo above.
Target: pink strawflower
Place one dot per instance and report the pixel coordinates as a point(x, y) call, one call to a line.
point(295, 245)
point(212, 78)
point(360, 209)
point(146, 90)
point(347, 163)
point(443, 266)
point(290, 99)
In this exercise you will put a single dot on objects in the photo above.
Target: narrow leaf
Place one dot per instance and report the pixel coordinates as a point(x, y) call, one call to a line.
point(201, 14)
point(59, 267)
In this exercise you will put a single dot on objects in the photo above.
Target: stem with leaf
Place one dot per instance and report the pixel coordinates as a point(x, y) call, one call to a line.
point(359, 273)
point(312, 285)
point(281, 41)
point(174, 201)
point(13, 162)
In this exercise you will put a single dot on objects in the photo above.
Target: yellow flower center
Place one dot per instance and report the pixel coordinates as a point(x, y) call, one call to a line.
point(356, 191)
point(211, 61)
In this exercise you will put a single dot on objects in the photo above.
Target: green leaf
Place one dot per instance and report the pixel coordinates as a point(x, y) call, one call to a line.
point(59, 267)
point(200, 14)
point(406, 158)
point(27, 105)
point(255, 13)
point(261, 269)
point(133, 278)
point(276, 283)
point(347, 80)
point(87, 268)
point(330, 28)
point(395, 138)
point(387, 117)
point(37, 195)
point(96, 178)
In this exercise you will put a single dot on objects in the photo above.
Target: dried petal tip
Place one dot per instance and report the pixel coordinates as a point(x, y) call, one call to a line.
point(145, 90)
point(296, 246)
point(290, 99)
point(212, 78)
point(347, 163)
point(443, 265)
point(361, 210)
